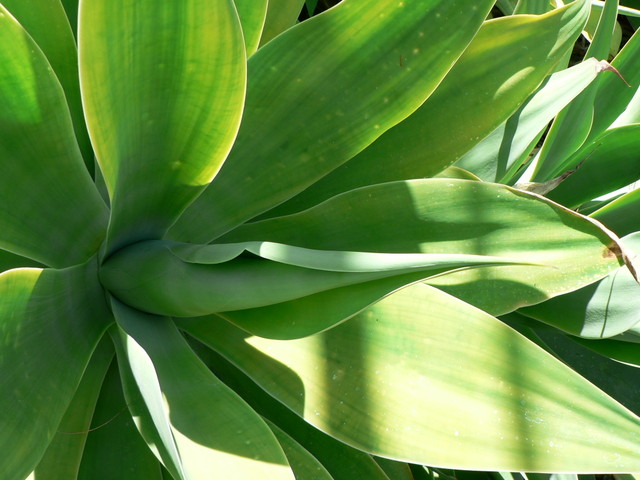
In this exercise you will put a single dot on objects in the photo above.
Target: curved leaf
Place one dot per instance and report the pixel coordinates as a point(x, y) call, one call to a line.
point(423, 377)
point(572, 126)
point(621, 215)
point(609, 164)
point(151, 277)
point(114, 447)
point(64, 453)
point(365, 91)
point(606, 308)
point(63, 221)
point(252, 15)
point(497, 157)
point(458, 216)
point(210, 427)
point(281, 15)
point(47, 337)
point(503, 65)
point(46, 21)
point(340, 460)
point(163, 94)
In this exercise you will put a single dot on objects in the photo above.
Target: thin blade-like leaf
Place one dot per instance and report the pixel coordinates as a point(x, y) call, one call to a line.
point(211, 427)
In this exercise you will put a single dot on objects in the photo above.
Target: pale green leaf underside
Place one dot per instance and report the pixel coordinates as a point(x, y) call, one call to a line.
point(47, 336)
point(186, 280)
point(455, 216)
point(163, 94)
point(425, 378)
point(373, 64)
point(63, 221)
point(207, 425)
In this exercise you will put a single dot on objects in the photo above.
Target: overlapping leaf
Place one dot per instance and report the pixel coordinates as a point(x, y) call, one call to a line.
point(326, 93)
point(485, 86)
point(163, 94)
point(51, 323)
point(201, 423)
point(421, 364)
point(43, 176)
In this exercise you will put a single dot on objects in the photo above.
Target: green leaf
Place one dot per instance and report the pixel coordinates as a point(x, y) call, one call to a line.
point(457, 216)
point(363, 92)
point(606, 168)
point(49, 208)
point(155, 277)
point(572, 126)
point(47, 23)
point(47, 337)
point(340, 460)
point(114, 447)
point(10, 260)
point(281, 15)
point(498, 156)
point(64, 453)
point(163, 94)
point(620, 381)
point(252, 15)
point(303, 464)
point(209, 426)
point(621, 215)
point(613, 97)
point(503, 65)
point(420, 365)
point(603, 309)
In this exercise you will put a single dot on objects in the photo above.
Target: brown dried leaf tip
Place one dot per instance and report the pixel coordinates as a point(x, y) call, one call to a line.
point(604, 66)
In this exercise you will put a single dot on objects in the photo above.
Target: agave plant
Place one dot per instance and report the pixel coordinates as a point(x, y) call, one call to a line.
point(232, 247)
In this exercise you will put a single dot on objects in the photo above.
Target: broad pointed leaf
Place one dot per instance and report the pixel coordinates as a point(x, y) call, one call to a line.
point(485, 86)
point(46, 21)
point(455, 216)
point(163, 92)
point(422, 365)
point(410, 46)
point(211, 427)
point(63, 221)
point(47, 337)
point(572, 126)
